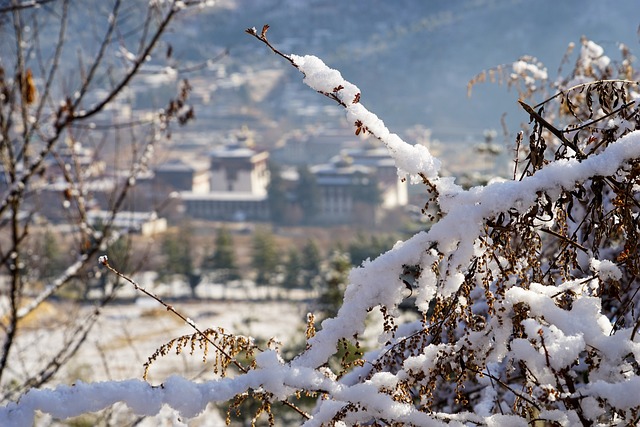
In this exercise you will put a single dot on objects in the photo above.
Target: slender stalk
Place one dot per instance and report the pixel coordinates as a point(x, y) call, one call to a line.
point(103, 260)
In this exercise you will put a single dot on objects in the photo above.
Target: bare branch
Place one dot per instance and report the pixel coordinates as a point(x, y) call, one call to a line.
point(29, 4)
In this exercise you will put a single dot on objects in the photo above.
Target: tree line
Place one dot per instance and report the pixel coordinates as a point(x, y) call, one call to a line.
point(298, 267)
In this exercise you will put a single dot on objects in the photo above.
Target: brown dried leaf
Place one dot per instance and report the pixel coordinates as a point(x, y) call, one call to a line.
point(29, 88)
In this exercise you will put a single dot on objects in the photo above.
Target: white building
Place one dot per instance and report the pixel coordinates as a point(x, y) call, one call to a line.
point(394, 191)
point(239, 170)
point(239, 177)
point(177, 175)
point(351, 182)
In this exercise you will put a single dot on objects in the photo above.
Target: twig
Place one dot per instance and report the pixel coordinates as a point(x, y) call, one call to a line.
point(565, 239)
point(55, 62)
point(263, 38)
point(104, 261)
point(557, 133)
point(581, 85)
point(516, 161)
point(141, 59)
point(113, 19)
point(617, 110)
point(493, 386)
point(504, 385)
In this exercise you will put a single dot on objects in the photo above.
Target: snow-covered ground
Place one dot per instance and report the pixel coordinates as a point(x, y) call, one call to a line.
point(127, 334)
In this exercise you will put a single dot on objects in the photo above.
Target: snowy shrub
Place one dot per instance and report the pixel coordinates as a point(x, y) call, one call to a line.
point(526, 288)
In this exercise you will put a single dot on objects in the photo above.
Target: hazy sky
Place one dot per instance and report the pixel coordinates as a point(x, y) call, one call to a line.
point(413, 59)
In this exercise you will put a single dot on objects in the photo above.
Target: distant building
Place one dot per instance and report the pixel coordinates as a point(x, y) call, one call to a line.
point(338, 183)
point(239, 169)
point(144, 223)
point(180, 176)
point(394, 191)
point(239, 177)
point(226, 206)
point(358, 186)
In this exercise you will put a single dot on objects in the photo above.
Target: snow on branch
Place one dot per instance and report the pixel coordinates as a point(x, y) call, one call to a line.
point(413, 160)
point(190, 398)
point(378, 283)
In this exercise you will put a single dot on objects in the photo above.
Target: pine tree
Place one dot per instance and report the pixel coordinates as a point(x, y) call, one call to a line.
point(276, 196)
point(177, 250)
point(293, 273)
point(310, 263)
point(50, 262)
point(307, 194)
point(223, 259)
point(362, 248)
point(334, 283)
point(265, 257)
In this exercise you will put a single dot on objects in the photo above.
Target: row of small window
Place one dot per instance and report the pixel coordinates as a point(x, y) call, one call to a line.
point(219, 208)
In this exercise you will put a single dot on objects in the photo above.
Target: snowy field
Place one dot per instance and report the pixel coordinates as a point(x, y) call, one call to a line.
point(127, 334)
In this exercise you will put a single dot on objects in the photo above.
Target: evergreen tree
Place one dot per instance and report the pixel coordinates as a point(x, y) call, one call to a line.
point(307, 194)
point(334, 283)
point(51, 257)
point(362, 248)
point(293, 273)
point(119, 252)
point(223, 259)
point(310, 263)
point(276, 195)
point(265, 257)
point(177, 250)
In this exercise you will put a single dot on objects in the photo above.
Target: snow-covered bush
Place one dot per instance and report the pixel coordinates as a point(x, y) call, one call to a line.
point(526, 289)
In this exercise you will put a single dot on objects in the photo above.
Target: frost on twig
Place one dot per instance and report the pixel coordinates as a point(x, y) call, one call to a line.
point(412, 160)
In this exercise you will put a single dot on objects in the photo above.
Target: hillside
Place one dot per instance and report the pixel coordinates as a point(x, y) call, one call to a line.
point(413, 60)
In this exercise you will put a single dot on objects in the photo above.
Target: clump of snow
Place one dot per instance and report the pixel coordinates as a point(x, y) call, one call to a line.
point(324, 79)
point(410, 159)
point(529, 71)
point(180, 394)
point(605, 269)
point(593, 54)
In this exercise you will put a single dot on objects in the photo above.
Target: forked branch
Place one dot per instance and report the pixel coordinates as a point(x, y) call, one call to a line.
point(557, 133)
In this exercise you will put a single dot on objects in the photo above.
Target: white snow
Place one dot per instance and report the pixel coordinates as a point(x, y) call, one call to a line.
point(605, 269)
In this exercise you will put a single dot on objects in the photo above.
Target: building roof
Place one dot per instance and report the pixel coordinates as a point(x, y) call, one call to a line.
point(179, 165)
point(230, 196)
point(338, 174)
point(376, 156)
point(237, 152)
